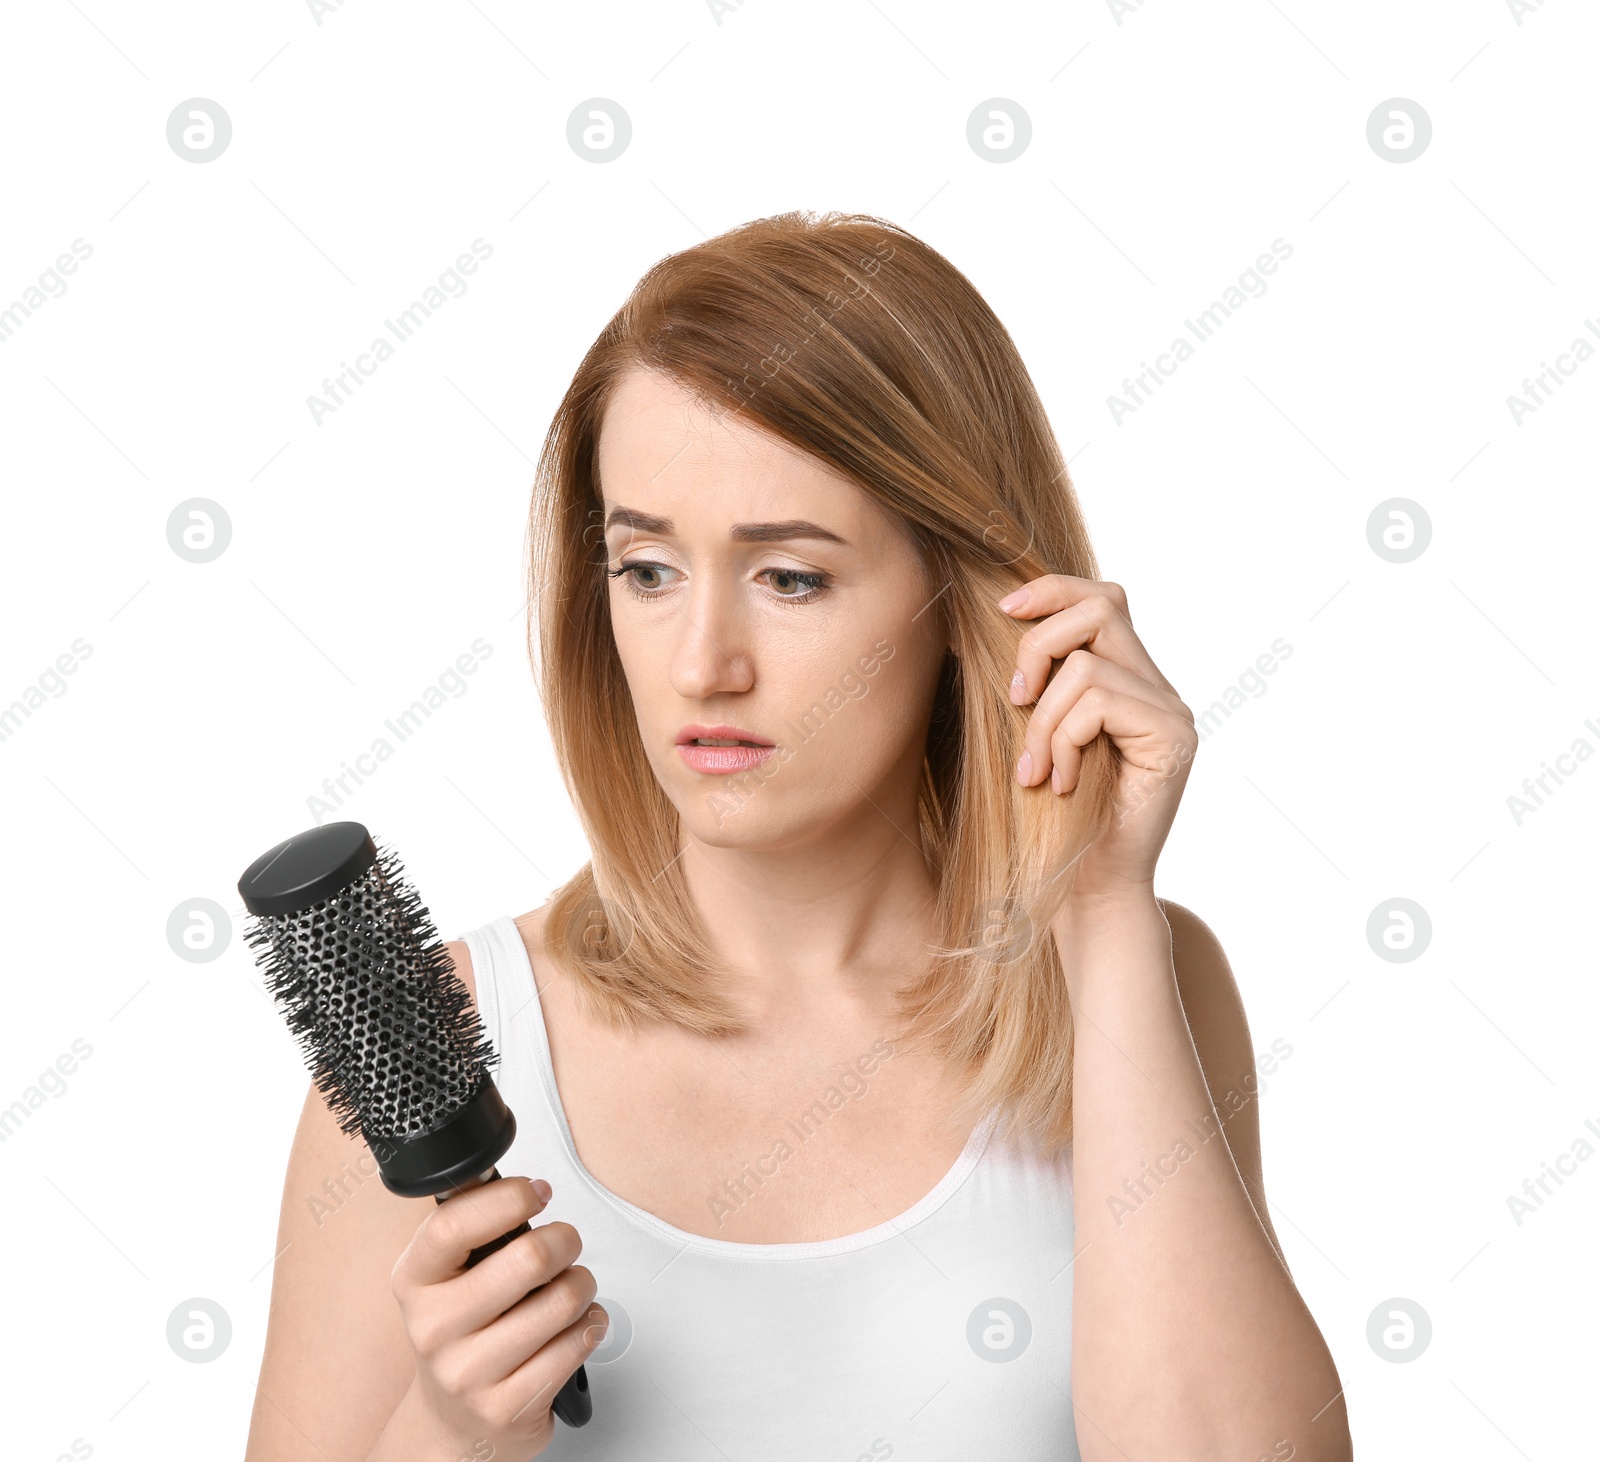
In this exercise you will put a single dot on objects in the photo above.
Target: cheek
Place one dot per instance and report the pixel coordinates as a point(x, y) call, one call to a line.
point(641, 641)
point(851, 715)
point(644, 669)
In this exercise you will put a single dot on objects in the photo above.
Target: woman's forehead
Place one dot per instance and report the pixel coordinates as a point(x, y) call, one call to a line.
point(663, 452)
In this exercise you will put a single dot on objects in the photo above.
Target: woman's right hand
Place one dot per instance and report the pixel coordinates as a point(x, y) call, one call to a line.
point(490, 1356)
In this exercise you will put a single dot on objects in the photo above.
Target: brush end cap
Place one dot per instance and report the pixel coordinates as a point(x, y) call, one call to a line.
point(307, 868)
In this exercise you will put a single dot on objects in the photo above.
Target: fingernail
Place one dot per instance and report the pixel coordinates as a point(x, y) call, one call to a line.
point(1025, 768)
point(1014, 600)
point(543, 1189)
point(1019, 688)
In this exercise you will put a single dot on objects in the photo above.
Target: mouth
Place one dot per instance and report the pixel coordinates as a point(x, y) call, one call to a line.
point(720, 736)
point(720, 750)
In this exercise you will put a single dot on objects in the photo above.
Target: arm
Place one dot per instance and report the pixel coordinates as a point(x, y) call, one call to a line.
point(1189, 1337)
point(337, 1361)
point(1216, 1016)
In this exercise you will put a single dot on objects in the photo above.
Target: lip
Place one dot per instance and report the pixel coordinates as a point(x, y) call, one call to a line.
point(721, 761)
point(694, 732)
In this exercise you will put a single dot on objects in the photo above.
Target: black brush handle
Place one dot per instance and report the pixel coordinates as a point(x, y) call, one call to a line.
point(573, 1404)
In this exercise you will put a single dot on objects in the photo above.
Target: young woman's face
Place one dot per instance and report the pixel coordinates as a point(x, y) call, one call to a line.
point(758, 597)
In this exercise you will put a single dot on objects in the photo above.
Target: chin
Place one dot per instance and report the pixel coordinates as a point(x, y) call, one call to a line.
point(745, 812)
point(723, 820)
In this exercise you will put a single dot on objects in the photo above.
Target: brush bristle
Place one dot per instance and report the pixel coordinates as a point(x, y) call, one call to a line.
point(366, 985)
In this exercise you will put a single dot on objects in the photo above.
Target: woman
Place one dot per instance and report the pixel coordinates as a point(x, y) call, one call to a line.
point(893, 1111)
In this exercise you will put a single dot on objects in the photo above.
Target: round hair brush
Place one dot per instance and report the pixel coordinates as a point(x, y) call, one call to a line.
point(351, 956)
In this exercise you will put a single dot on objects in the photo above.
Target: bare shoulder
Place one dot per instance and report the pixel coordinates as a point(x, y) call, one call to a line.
point(1210, 994)
point(461, 962)
point(1221, 1030)
point(337, 1359)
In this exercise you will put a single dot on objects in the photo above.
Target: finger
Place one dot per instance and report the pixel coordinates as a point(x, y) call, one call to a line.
point(463, 1223)
point(1083, 612)
point(533, 1321)
point(1150, 738)
point(1056, 591)
point(1092, 622)
point(495, 1285)
point(532, 1387)
point(1080, 670)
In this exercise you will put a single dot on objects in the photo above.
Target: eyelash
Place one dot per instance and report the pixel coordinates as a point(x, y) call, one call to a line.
point(816, 583)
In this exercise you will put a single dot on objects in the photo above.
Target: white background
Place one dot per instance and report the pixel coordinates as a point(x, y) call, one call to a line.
point(370, 550)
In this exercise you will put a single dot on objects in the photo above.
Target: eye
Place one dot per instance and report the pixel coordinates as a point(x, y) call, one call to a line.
point(795, 586)
point(648, 587)
point(645, 579)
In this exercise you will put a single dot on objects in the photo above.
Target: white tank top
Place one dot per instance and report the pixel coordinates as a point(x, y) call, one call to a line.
point(944, 1332)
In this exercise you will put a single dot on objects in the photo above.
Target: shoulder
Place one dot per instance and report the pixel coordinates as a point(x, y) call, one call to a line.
point(1221, 1031)
point(1206, 984)
point(461, 962)
point(340, 1235)
point(1211, 999)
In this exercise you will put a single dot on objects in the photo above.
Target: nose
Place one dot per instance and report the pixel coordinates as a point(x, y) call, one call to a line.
point(710, 655)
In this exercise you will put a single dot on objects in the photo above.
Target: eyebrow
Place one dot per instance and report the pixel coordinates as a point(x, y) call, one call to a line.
point(782, 532)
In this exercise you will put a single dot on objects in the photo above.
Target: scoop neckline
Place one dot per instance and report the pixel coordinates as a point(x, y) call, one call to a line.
point(958, 1172)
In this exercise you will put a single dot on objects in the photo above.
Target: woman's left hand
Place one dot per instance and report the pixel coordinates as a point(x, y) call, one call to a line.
point(1107, 682)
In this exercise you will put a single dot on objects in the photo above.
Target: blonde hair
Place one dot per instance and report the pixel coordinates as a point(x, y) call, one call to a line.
point(854, 341)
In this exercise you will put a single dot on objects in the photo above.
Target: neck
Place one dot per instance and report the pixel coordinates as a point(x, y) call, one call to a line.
point(833, 922)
